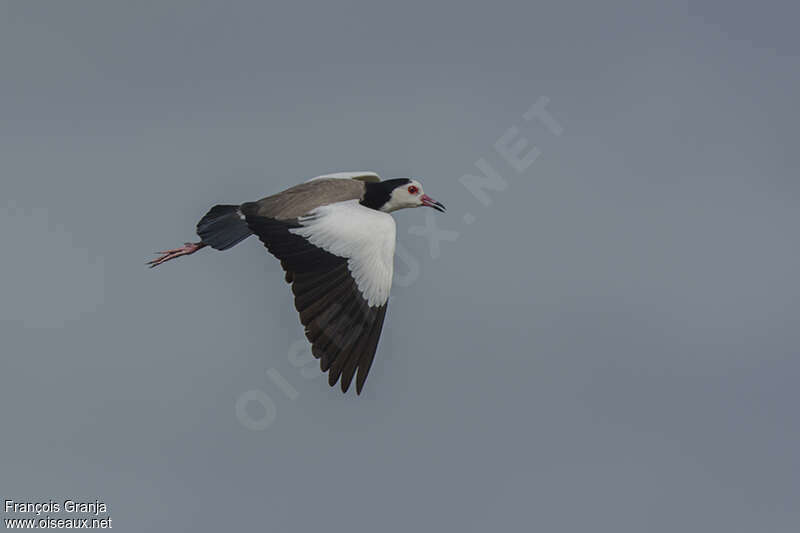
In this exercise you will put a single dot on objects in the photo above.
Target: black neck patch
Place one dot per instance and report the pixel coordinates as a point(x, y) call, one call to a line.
point(378, 193)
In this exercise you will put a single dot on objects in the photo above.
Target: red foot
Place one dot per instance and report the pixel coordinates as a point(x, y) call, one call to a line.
point(188, 248)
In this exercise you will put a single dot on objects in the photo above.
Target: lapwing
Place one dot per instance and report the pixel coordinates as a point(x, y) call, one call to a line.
point(335, 240)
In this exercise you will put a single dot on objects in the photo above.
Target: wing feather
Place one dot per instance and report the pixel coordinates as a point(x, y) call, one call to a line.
point(338, 259)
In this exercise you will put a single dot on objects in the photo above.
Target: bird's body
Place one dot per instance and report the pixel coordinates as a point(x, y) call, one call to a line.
point(336, 241)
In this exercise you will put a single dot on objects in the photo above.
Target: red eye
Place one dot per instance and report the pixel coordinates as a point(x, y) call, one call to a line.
point(413, 190)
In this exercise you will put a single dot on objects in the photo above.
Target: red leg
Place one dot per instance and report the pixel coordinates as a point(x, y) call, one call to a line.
point(188, 248)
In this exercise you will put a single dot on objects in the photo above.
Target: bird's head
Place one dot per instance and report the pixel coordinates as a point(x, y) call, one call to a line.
point(401, 193)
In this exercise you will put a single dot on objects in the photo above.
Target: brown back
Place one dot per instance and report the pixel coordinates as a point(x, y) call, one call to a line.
point(300, 199)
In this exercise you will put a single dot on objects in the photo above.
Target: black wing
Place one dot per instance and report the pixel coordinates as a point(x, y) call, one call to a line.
point(343, 329)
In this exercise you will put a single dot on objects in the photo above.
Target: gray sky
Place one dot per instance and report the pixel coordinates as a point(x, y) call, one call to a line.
point(610, 345)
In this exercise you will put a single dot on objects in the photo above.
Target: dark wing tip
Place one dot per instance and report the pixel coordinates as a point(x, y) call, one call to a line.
point(342, 328)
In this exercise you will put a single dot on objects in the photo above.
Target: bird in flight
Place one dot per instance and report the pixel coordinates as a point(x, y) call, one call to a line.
point(335, 240)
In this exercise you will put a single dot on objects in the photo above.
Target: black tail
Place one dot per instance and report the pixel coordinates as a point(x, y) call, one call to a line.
point(223, 227)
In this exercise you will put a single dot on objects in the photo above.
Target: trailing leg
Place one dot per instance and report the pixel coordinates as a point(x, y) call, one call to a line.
point(188, 248)
point(221, 228)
